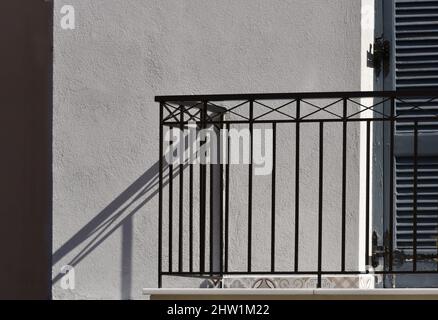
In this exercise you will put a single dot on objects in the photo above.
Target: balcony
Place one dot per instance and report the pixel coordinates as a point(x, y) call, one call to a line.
point(315, 190)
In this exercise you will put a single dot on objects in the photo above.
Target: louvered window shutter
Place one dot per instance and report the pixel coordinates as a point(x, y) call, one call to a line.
point(416, 63)
point(427, 195)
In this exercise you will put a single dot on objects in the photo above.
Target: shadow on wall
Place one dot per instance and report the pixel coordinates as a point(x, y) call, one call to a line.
point(108, 220)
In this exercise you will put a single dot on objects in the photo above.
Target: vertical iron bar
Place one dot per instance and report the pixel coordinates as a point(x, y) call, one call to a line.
point(344, 181)
point(211, 214)
point(160, 199)
point(367, 205)
point(414, 267)
point(191, 214)
point(227, 197)
point(321, 171)
point(181, 191)
point(202, 195)
point(297, 185)
point(391, 185)
point(170, 177)
point(274, 161)
point(250, 185)
point(221, 200)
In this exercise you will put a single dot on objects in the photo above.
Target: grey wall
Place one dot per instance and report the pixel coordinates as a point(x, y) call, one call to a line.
point(105, 123)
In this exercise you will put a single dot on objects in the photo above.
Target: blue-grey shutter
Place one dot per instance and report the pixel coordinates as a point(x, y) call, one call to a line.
point(416, 63)
point(427, 202)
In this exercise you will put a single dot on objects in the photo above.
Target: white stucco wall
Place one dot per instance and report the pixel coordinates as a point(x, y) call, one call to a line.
point(105, 122)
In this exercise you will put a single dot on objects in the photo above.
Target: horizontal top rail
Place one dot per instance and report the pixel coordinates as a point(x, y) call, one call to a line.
point(297, 95)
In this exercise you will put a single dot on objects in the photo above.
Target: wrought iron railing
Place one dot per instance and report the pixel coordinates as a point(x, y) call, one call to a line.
point(384, 135)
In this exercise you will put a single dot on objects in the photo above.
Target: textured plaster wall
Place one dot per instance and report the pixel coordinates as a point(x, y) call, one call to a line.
point(105, 122)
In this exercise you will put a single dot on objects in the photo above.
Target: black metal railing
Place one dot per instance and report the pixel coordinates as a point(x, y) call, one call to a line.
point(197, 212)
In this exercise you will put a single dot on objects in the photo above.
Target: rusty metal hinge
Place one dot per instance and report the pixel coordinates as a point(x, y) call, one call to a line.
point(383, 251)
point(381, 55)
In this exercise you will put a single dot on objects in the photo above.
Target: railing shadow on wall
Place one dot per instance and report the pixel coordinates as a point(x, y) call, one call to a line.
point(117, 214)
